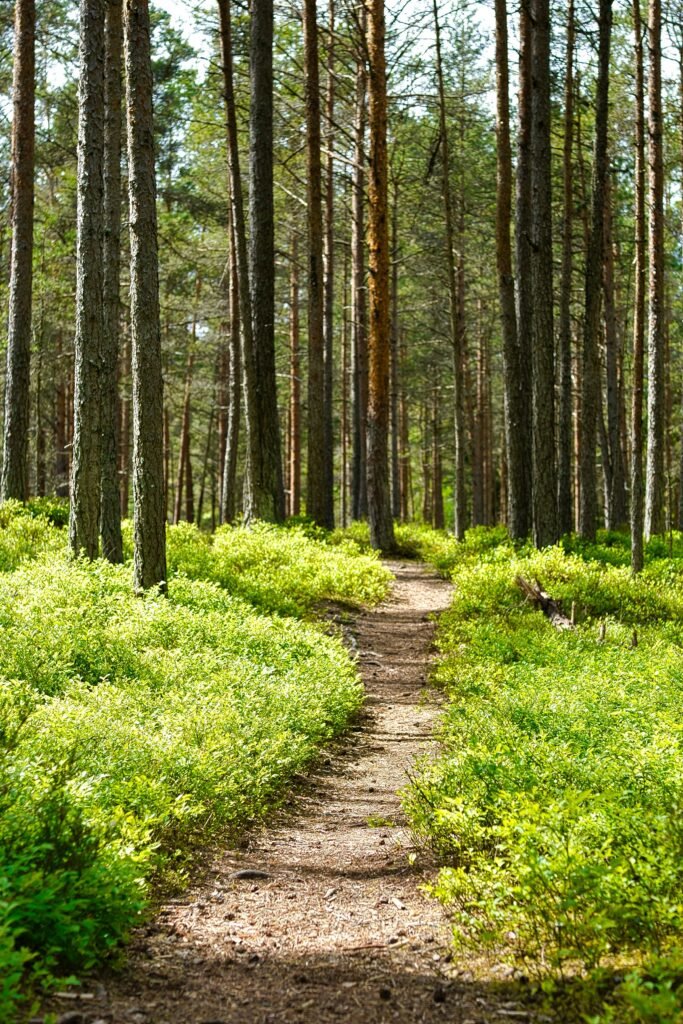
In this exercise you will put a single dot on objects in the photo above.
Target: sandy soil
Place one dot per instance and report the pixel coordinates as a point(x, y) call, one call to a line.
point(320, 917)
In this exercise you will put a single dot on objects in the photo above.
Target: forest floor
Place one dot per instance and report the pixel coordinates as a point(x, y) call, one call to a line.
point(319, 917)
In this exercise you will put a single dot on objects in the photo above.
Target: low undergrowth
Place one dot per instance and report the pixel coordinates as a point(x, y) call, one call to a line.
point(132, 728)
point(557, 802)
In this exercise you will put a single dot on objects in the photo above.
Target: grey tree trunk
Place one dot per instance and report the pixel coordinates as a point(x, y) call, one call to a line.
point(84, 521)
point(590, 395)
point(543, 362)
point(395, 440)
point(565, 510)
point(318, 502)
point(14, 482)
point(379, 342)
point(265, 497)
point(148, 407)
point(520, 476)
point(654, 483)
point(110, 525)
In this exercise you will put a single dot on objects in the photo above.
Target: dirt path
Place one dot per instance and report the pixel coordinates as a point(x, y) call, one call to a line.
point(320, 918)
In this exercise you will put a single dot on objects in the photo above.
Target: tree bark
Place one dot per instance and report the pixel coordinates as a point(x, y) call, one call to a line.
point(148, 407)
point(317, 500)
point(565, 511)
point(359, 496)
point(228, 495)
point(515, 402)
point(14, 482)
point(459, 494)
point(593, 283)
point(520, 472)
point(543, 369)
point(110, 526)
point(328, 263)
point(84, 521)
point(294, 385)
point(654, 484)
point(395, 439)
point(265, 498)
point(616, 503)
point(379, 344)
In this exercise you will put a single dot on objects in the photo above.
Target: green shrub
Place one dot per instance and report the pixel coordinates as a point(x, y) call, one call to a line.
point(557, 802)
point(133, 727)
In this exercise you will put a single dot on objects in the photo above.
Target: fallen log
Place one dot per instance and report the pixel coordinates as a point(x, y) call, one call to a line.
point(535, 593)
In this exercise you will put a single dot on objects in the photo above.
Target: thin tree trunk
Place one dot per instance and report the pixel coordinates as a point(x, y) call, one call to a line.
point(654, 483)
point(679, 522)
point(616, 505)
point(359, 498)
point(515, 400)
point(379, 340)
point(84, 521)
point(404, 454)
point(543, 370)
point(565, 511)
point(294, 385)
point(149, 530)
point(265, 493)
point(229, 483)
point(183, 454)
point(328, 263)
point(460, 500)
point(593, 290)
point(110, 526)
point(345, 400)
point(14, 481)
point(317, 501)
point(520, 478)
point(439, 519)
point(395, 439)
point(124, 435)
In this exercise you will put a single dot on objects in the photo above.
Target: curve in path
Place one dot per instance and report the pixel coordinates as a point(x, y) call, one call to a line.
point(320, 918)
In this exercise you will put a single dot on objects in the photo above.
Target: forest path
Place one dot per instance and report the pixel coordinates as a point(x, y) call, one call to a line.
point(327, 922)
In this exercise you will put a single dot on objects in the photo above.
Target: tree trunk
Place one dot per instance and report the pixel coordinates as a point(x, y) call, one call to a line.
point(654, 484)
point(359, 497)
point(328, 263)
point(438, 517)
point(84, 522)
point(515, 400)
point(616, 505)
point(317, 500)
point(184, 462)
point(459, 496)
point(229, 483)
point(148, 405)
point(395, 440)
point(379, 341)
point(593, 290)
point(404, 455)
point(345, 370)
point(565, 511)
point(543, 370)
point(110, 526)
point(520, 471)
point(679, 522)
point(124, 435)
point(265, 498)
point(294, 386)
point(14, 482)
